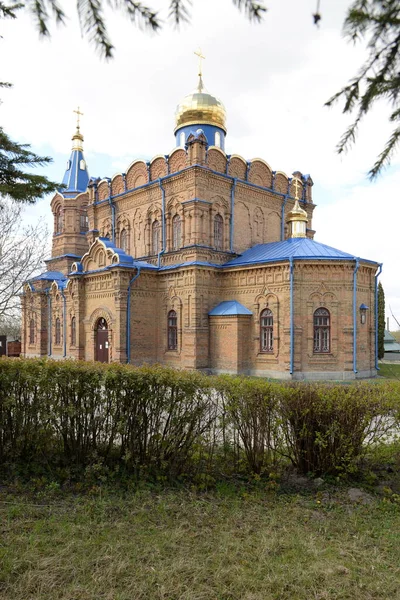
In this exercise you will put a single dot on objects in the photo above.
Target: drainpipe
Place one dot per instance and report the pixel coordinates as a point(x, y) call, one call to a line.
point(148, 171)
point(355, 314)
point(112, 210)
point(128, 318)
point(65, 323)
point(124, 180)
point(291, 318)
point(286, 196)
point(232, 210)
point(163, 222)
point(376, 315)
point(248, 165)
point(49, 324)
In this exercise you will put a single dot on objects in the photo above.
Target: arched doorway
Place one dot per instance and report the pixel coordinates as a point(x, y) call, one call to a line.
point(102, 343)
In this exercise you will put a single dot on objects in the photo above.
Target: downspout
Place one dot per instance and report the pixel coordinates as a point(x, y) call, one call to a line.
point(163, 222)
point(49, 324)
point(286, 196)
point(291, 318)
point(355, 315)
point(111, 203)
point(128, 318)
point(232, 210)
point(65, 323)
point(376, 316)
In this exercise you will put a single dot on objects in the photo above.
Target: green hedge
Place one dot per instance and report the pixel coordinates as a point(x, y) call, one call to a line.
point(160, 422)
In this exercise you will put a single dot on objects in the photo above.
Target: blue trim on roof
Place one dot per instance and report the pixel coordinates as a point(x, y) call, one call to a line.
point(229, 308)
point(49, 276)
point(192, 263)
point(296, 248)
point(62, 256)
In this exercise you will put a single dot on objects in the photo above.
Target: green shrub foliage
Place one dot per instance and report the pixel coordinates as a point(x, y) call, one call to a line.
point(155, 422)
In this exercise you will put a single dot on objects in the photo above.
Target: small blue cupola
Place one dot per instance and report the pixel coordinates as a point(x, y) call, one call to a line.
point(76, 176)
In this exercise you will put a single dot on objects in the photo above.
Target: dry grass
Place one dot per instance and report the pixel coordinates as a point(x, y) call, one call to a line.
point(177, 545)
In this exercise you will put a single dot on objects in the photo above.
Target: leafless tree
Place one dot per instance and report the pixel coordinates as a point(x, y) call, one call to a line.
point(23, 247)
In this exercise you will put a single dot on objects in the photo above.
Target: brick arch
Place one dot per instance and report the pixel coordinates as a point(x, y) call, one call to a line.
point(281, 183)
point(99, 313)
point(158, 168)
point(216, 160)
point(260, 173)
point(177, 160)
point(103, 191)
point(136, 175)
point(117, 185)
point(237, 167)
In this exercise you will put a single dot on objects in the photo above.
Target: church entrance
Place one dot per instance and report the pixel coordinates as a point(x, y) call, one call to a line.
point(102, 341)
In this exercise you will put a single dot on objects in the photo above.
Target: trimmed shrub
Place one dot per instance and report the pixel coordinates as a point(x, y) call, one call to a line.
point(159, 422)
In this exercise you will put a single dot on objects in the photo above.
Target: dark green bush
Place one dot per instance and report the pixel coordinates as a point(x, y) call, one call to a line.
point(75, 417)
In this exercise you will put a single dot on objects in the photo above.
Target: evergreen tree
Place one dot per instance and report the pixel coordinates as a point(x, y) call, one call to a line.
point(377, 22)
point(381, 321)
point(15, 182)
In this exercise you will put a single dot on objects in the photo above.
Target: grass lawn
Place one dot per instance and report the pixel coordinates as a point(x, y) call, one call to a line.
point(390, 371)
point(217, 546)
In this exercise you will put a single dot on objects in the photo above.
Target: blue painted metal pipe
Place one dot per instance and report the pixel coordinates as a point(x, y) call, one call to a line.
point(291, 317)
point(232, 211)
point(65, 323)
point(355, 314)
point(376, 315)
point(128, 318)
point(49, 324)
point(163, 223)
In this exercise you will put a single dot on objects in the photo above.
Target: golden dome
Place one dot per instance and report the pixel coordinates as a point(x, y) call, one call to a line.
point(298, 219)
point(200, 108)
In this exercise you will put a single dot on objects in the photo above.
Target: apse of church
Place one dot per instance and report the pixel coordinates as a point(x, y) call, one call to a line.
point(199, 259)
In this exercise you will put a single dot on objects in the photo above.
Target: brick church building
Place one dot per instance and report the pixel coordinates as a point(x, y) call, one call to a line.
point(199, 259)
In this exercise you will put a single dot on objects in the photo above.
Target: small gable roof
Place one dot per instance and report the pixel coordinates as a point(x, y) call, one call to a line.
point(229, 308)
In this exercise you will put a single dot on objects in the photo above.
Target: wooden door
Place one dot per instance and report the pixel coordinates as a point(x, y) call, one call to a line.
point(102, 341)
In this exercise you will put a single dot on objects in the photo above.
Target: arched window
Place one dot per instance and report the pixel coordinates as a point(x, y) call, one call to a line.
point(123, 240)
point(73, 331)
point(182, 139)
point(172, 330)
point(58, 331)
point(83, 222)
point(218, 232)
point(218, 139)
point(322, 337)
point(156, 237)
point(31, 331)
point(59, 222)
point(266, 331)
point(176, 232)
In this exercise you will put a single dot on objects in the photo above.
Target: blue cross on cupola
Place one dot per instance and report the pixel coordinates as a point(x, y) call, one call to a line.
point(76, 176)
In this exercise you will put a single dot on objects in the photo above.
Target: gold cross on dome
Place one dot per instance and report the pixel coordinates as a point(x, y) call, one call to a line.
point(296, 186)
point(78, 114)
point(201, 57)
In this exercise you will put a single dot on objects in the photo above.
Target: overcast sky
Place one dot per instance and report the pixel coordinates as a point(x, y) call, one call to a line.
point(273, 78)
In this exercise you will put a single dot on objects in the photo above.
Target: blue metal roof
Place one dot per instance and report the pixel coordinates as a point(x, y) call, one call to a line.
point(297, 248)
point(49, 276)
point(75, 179)
point(229, 308)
